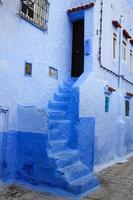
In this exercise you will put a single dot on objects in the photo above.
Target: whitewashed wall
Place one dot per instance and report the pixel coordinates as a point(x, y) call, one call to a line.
point(92, 97)
point(19, 42)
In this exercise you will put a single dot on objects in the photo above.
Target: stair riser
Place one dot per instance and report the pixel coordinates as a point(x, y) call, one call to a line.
point(61, 98)
point(56, 106)
point(57, 117)
point(84, 187)
point(76, 174)
point(66, 127)
point(57, 136)
point(68, 85)
point(64, 90)
point(65, 162)
point(58, 148)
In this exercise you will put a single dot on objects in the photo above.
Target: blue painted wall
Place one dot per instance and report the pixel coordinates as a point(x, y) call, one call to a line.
point(26, 158)
point(25, 155)
point(86, 130)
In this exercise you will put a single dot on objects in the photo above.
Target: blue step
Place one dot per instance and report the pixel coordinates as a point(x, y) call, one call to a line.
point(74, 171)
point(56, 114)
point(84, 184)
point(61, 97)
point(57, 135)
point(57, 146)
point(68, 84)
point(57, 105)
point(64, 90)
point(66, 158)
point(59, 124)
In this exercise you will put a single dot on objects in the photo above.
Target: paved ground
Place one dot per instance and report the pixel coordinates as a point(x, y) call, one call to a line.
point(116, 184)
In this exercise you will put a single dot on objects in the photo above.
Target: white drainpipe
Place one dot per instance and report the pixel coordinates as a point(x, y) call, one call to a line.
point(3, 128)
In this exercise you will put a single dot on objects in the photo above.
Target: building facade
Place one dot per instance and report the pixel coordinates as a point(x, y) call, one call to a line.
point(66, 88)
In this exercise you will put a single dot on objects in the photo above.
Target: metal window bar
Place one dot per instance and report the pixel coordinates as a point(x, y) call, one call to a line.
point(40, 11)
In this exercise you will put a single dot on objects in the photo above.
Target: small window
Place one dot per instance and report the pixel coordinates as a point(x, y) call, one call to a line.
point(53, 73)
point(127, 108)
point(114, 46)
point(28, 69)
point(27, 8)
point(124, 51)
point(36, 11)
point(131, 61)
point(107, 104)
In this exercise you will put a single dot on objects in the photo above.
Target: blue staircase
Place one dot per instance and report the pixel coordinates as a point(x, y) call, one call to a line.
point(72, 174)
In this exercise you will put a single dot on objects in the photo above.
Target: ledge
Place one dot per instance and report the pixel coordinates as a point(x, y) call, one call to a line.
point(82, 7)
point(108, 89)
point(131, 41)
point(126, 34)
point(116, 24)
point(129, 94)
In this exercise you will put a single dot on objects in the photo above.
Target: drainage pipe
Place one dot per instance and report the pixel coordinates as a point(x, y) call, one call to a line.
point(119, 61)
point(5, 111)
point(100, 37)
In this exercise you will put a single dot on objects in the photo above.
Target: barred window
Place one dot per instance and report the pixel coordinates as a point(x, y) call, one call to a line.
point(35, 11)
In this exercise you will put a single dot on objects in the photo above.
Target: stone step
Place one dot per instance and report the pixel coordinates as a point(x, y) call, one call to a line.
point(59, 124)
point(61, 97)
point(66, 158)
point(56, 114)
point(57, 146)
point(68, 84)
point(74, 171)
point(64, 89)
point(84, 184)
point(56, 135)
point(58, 105)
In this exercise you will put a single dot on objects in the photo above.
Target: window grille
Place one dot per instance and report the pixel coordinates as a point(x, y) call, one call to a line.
point(107, 102)
point(114, 46)
point(35, 11)
point(124, 51)
point(131, 60)
point(127, 108)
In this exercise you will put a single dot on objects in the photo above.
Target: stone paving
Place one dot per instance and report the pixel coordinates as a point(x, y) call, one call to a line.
point(116, 184)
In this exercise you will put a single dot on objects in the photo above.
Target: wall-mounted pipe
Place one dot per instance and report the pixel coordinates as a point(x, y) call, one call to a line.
point(100, 36)
point(5, 111)
point(117, 75)
point(119, 60)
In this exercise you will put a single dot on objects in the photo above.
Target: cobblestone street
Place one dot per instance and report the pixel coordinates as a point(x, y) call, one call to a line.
point(116, 184)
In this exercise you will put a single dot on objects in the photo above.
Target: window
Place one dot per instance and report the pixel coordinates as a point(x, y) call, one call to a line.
point(114, 45)
point(124, 46)
point(107, 104)
point(131, 61)
point(127, 108)
point(35, 11)
point(28, 69)
point(53, 73)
